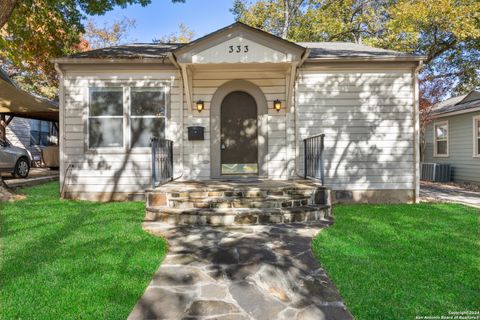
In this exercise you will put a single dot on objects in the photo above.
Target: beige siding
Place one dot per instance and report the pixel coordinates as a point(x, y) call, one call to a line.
point(204, 85)
point(368, 121)
point(113, 171)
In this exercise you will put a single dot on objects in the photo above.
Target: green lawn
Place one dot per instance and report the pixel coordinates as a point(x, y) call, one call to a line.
point(399, 261)
point(73, 259)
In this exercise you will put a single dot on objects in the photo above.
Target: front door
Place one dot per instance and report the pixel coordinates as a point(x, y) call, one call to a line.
point(239, 134)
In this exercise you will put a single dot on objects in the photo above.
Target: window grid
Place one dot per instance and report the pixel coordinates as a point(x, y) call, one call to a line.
point(438, 139)
point(126, 116)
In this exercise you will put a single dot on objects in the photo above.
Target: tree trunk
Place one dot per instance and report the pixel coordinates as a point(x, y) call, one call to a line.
point(6, 9)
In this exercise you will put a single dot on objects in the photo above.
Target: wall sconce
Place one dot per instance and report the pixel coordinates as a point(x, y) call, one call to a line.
point(277, 105)
point(200, 105)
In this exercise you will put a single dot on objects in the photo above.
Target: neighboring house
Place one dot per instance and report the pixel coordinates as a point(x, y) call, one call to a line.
point(365, 101)
point(453, 137)
point(29, 134)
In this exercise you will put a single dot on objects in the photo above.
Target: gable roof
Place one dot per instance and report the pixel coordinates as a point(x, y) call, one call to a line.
point(465, 103)
point(317, 50)
point(239, 25)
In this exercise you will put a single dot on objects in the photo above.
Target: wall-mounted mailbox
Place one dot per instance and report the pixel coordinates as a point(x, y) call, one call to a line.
point(195, 133)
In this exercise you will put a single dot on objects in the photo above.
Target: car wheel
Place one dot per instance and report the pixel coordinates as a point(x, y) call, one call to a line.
point(22, 168)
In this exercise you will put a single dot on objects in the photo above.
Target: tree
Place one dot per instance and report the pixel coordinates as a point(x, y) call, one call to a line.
point(109, 34)
point(184, 35)
point(36, 31)
point(278, 17)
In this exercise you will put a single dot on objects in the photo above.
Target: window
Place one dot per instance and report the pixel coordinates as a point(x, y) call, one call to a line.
point(440, 139)
point(105, 118)
point(476, 136)
point(40, 132)
point(147, 114)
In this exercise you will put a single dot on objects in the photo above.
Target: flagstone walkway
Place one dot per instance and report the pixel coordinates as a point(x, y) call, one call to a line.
point(251, 272)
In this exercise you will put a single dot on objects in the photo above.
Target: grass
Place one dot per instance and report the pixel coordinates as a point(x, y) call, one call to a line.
point(64, 259)
point(402, 261)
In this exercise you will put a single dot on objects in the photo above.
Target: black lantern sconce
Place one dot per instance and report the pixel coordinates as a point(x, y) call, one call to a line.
point(277, 105)
point(200, 105)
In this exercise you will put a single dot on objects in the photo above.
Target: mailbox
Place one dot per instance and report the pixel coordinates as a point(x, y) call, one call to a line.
point(195, 133)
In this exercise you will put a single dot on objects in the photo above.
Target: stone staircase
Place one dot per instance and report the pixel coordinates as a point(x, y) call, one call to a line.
point(238, 202)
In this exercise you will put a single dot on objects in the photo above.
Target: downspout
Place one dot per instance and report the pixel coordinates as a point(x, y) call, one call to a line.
point(295, 114)
point(416, 137)
point(173, 60)
point(61, 127)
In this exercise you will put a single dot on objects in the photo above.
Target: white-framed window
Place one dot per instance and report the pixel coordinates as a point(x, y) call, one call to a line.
point(440, 139)
point(109, 107)
point(148, 111)
point(106, 118)
point(476, 136)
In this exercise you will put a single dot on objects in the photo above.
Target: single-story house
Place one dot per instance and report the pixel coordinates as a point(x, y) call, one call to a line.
point(453, 137)
point(238, 104)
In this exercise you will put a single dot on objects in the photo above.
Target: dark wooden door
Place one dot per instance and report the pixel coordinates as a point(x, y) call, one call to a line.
point(239, 134)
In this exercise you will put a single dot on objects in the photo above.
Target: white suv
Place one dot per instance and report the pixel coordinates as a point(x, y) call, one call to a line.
point(14, 159)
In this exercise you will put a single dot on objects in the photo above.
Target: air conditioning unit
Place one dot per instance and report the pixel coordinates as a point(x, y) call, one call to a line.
point(436, 172)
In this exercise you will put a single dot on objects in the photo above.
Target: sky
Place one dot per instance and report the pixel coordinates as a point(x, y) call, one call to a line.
point(162, 17)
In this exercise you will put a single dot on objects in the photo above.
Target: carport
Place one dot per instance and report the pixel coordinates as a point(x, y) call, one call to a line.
point(15, 102)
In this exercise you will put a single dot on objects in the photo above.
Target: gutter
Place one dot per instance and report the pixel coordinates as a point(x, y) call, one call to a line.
point(61, 128)
point(453, 113)
point(109, 60)
point(173, 60)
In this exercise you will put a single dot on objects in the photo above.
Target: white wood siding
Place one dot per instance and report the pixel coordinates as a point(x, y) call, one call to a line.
point(113, 171)
point(368, 121)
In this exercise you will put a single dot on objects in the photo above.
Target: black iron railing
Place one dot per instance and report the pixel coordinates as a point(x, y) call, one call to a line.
point(162, 161)
point(314, 166)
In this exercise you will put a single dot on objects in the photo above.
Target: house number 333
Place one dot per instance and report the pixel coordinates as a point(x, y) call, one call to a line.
point(237, 49)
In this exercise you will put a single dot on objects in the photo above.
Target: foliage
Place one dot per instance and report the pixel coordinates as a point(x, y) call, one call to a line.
point(447, 32)
point(184, 35)
point(73, 259)
point(39, 30)
point(402, 261)
point(109, 34)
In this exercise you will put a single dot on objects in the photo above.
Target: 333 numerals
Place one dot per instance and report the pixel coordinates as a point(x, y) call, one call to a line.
point(237, 49)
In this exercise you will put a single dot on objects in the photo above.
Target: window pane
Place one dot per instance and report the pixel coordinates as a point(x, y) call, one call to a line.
point(44, 138)
point(106, 101)
point(478, 146)
point(441, 147)
point(478, 128)
point(105, 133)
point(35, 125)
point(441, 131)
point(148, 101)
point(34, 137)
point(143, 129)
point(45, 126)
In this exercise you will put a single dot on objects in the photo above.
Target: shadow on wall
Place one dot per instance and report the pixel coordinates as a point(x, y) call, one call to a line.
point(367, 119)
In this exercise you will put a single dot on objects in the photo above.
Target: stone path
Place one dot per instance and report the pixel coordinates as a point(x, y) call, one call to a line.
point(448, 193)
point(240, 272)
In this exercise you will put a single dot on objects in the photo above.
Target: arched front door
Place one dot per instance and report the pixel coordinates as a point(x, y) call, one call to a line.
point(238, 134)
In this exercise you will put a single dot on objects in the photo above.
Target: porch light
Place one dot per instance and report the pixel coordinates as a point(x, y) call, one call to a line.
point(277, 105)
point(200, 105)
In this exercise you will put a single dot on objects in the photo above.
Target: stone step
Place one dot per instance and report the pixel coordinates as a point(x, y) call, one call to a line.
point(194, 199)
point(233, 216)
point(236, 202)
